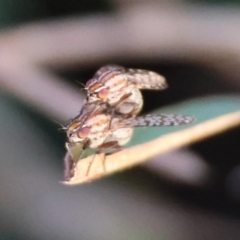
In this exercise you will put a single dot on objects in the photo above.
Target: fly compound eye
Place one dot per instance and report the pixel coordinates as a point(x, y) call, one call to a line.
point(83, 132)
point(102, 94)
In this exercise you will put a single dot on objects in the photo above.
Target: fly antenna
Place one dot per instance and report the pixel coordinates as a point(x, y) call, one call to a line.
point(83, 87)
point(62, 126)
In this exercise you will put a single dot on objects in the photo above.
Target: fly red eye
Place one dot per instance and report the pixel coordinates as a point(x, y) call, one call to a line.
point(102, 94)
point(83, 132)
point(90, 82)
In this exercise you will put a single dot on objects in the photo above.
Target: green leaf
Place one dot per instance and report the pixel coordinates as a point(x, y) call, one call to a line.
point(213, 116)
point(202, 109)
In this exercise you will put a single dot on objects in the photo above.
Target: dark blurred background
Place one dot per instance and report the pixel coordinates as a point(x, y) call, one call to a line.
point(140, 203)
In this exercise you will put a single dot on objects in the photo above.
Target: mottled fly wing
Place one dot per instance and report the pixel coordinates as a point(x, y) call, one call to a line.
point(154, 120)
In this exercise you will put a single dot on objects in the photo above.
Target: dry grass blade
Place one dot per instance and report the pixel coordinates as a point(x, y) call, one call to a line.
point(140, 153)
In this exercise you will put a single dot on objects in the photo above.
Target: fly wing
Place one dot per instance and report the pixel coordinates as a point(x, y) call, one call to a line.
point(86, 110)
point(144, 79)
point(89, 109)
point(154, 120)
point(108, 68)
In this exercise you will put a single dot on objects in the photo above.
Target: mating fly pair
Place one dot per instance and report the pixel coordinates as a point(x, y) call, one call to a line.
point(109, 114)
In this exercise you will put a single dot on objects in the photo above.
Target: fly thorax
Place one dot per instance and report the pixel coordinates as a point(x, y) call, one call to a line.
point(97, 139)
point(122, 135)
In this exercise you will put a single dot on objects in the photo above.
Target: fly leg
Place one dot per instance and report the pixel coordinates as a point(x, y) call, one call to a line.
point(117, 104)
point(108, 148)
point(122, 101)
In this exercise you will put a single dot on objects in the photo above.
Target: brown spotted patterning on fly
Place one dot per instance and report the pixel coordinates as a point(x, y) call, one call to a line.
point(99, 129)
point(120, 87)
point(107, 119)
